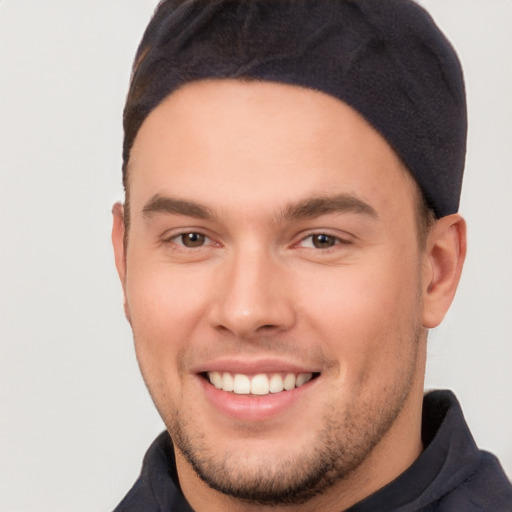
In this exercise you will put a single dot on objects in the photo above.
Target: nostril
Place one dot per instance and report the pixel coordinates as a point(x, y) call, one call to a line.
point(246, 318)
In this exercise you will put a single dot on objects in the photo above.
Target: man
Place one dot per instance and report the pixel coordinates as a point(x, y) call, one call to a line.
point(290, 233)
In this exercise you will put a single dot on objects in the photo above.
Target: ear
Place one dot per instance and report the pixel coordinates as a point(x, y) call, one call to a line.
point(444, 258)
point(118, 240)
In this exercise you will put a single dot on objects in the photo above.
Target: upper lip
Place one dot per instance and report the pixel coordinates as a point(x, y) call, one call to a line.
point(253, 367)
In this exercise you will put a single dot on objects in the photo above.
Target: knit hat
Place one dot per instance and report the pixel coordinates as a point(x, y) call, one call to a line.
point(385, 58)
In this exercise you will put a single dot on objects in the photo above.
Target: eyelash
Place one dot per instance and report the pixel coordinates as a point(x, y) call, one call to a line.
point(177, 240)
point(173, 240)
point(336, 240)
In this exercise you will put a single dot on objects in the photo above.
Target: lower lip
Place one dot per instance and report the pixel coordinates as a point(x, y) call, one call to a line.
point(254, 408)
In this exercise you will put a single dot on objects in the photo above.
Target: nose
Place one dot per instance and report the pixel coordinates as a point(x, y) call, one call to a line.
point(253, 296)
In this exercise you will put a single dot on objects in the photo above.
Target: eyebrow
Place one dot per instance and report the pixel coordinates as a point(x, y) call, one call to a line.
point(317, 206)
point(309, 208)
point(164, 204)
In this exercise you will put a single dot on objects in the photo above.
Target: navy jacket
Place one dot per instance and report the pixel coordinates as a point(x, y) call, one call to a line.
point(451, 475)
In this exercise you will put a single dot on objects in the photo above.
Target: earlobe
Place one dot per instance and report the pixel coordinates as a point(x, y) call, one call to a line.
point(445, 254)
point(118, 240)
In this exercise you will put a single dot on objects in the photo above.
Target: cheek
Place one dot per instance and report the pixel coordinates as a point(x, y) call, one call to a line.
point(165, 308)
point(165, 313)
point(367, 316)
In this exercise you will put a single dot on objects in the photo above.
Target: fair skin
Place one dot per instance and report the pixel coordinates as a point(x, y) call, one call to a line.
point(273, 232)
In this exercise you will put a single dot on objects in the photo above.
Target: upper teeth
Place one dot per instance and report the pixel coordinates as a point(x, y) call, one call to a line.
point(260, 384)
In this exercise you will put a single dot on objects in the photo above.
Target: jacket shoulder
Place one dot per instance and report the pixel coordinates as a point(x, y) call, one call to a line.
point(486, 490)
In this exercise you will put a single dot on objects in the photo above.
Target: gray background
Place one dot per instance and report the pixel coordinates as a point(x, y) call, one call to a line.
point(75, 417)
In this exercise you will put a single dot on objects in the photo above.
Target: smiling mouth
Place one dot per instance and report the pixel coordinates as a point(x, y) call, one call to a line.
point(259, 384)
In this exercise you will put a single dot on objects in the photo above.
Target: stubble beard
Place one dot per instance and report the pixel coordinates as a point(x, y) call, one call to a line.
point(345, 441)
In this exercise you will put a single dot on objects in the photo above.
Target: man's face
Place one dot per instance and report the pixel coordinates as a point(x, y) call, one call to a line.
point(272, 243)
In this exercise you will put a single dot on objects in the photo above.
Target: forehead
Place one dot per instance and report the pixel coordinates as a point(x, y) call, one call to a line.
point(229, 140)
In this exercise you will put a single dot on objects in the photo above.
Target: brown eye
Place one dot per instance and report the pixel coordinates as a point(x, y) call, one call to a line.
point(322, 241)
point(192, 239)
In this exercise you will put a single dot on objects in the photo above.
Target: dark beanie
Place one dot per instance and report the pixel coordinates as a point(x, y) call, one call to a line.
point(385, 58)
